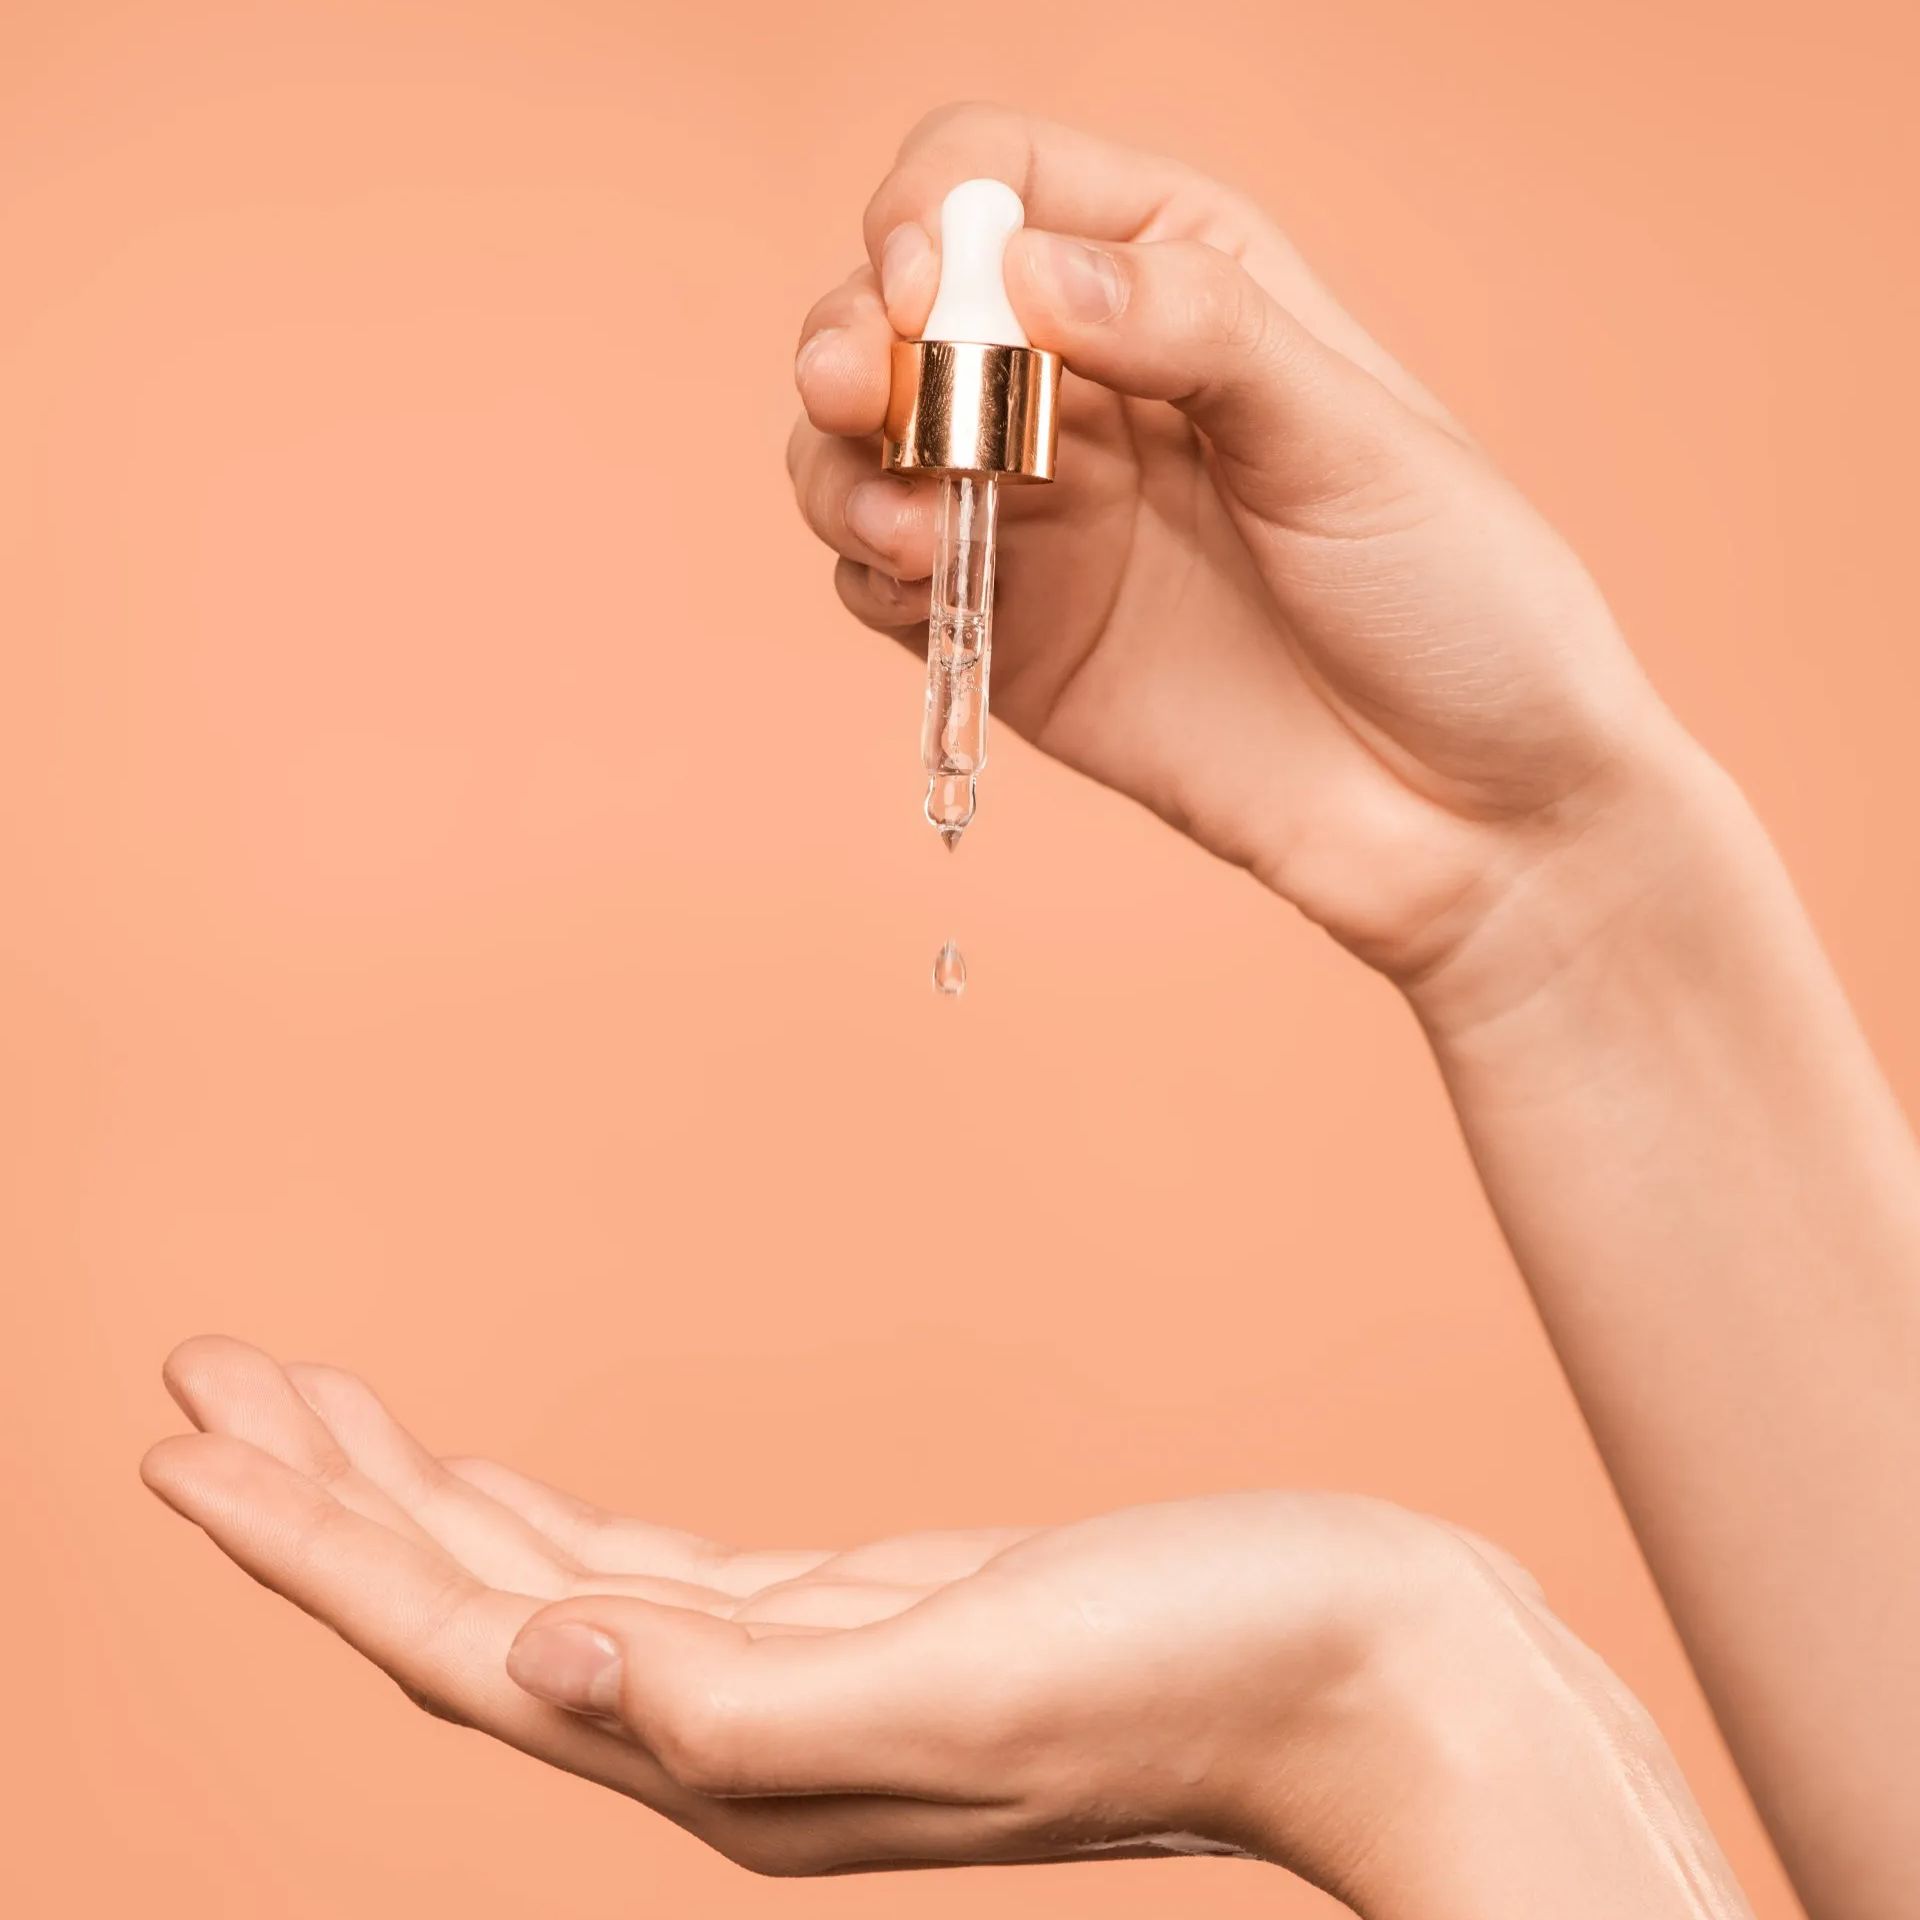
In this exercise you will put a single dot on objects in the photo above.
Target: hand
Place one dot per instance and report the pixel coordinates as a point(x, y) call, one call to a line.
point(1373, 1699)
point(1280, 598)
point(1276, 594)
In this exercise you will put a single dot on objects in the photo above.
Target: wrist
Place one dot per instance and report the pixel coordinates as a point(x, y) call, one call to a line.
point(1355, 1767)
point(1491, 1767)
point(1640, 886)
point(1545, 1787)
point(1363, 1785)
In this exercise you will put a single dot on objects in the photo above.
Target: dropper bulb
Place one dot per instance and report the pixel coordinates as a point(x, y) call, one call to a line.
point(977, 219)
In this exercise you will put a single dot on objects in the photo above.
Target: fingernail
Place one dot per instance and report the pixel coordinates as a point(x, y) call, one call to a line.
point(810, 352)
point(1085, 282)
point(874, 508)
point(901, 254)
point(575, 1667)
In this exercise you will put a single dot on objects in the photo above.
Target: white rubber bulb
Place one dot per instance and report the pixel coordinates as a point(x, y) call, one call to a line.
point(977, 219)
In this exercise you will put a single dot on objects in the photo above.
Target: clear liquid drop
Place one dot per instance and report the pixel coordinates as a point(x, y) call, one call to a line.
point(950, 971)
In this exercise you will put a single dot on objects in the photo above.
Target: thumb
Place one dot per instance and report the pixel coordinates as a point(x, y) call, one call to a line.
point(1299, 426)
point(857, 1710)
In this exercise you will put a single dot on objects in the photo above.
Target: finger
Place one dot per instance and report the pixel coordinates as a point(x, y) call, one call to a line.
point(1074, 182)
point(490, 1540)
point(445, 1640)
point(404, 1604)
point(928, 1558)
point(440, 1634)
point(842, 368)
point(226, 1386)
point(882, 1578)
point(889, 605)
point(665, 1593)
point(1066, 179)
point(1299, 427)
point(878, 519)
point(611, 1543)
point(813, 1601)
point(894, 1708)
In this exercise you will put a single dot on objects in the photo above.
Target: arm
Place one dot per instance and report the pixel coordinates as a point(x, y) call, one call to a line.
point(1279, 597)
point(1366, 1697)
point(1716, 1202)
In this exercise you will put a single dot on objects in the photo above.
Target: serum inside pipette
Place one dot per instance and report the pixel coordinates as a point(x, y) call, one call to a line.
point(953, 733)
point(953, 729)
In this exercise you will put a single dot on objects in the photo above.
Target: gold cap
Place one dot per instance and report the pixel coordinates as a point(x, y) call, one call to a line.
point(958, 407)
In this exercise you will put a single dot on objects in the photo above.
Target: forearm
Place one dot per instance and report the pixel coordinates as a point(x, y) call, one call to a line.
point(1716, 1202)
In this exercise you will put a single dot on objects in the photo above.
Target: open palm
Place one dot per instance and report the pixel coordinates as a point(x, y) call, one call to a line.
point(1148, 1680)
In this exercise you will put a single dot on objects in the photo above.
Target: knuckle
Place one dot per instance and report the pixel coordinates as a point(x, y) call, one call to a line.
point(980, 136)
point(329, 1465)
point(444, 1607)
point(429, 1673)
point(441, 1618)
point(316, 1530)
point(317, 1378)
point(337, 1394)
point(1229, 311)
point(940, 124)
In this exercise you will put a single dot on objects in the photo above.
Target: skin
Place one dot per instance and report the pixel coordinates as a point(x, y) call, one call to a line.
point(1374, 1700)
point(1282, 600)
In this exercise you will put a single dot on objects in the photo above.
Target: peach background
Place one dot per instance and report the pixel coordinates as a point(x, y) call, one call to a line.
point(415, 953)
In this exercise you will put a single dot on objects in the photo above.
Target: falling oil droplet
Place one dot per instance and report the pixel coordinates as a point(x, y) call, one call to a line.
point(949, 971)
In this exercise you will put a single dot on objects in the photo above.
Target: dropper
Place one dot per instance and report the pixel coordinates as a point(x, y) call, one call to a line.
point(973, 402)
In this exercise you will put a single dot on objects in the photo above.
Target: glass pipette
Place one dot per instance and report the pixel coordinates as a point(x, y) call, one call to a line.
point(973, 402)
point(953, 735)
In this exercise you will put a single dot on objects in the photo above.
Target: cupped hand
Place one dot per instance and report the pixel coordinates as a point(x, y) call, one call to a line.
point(1276, 594)
point(1286, 1675)
point(982, 1694)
